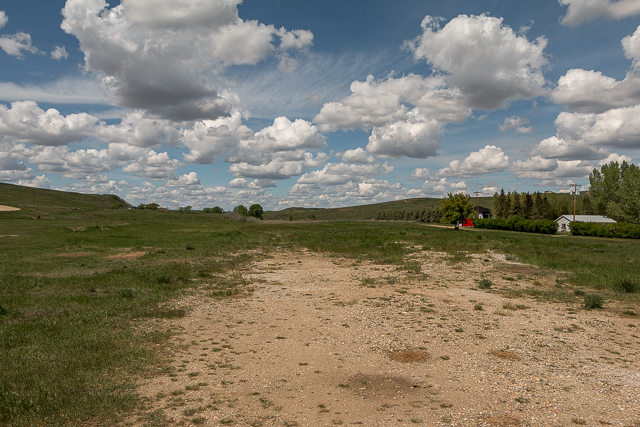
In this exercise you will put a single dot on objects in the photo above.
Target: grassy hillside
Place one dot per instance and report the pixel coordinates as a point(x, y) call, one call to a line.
point(363, 212)
point(45, 202)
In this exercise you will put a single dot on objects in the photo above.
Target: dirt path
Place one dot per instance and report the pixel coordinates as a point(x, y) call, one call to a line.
point(4, 208)
point(325, 341)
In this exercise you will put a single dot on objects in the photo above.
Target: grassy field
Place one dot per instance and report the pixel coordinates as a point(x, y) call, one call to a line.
point(76, 285)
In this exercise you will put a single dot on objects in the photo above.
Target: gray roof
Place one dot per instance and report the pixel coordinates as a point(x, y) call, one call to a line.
point(589, 218)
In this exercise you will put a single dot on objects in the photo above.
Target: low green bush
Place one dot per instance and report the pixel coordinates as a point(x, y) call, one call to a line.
point(485, 284)
point(620, 230)
point(626, 286)
point(516, 223)
point(593, 301)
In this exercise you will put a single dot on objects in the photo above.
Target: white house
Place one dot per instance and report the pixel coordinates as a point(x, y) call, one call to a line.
point(564, 220)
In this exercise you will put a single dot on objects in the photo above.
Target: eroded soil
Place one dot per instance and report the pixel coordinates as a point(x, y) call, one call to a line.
point(324, 340)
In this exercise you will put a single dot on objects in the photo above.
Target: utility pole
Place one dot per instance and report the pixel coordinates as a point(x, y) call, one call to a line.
point(575, 198)
point(477, 203)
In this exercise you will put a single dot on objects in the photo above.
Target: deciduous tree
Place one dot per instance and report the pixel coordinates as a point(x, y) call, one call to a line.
point(455, 208)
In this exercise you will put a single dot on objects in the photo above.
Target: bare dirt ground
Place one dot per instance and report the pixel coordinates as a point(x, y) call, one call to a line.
point(326, 341)
point(4, 208)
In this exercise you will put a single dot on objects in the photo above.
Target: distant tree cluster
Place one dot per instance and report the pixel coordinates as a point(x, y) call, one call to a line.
point(420, 215)
point(255, 211)
point(537, 206)
point(149, 206)
point(215, 209)
point(616, 191)
point(185, 209)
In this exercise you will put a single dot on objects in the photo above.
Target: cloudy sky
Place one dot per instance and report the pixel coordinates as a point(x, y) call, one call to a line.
point(317, 103)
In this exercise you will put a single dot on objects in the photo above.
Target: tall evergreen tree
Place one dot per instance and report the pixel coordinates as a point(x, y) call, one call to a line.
point(515, 209)
point(501, 205)
point(587, 206)
point(538, 207)
point(527, 206)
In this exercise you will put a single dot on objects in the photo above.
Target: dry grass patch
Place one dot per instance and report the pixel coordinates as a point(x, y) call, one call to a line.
point(128, 255)
point(74, 254)
point(408, 356)
point(504, 354)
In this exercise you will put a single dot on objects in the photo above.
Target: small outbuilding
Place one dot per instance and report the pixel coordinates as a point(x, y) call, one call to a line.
point(564, 220)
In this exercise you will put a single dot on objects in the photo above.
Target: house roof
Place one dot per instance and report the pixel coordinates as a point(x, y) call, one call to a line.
point(589, 218)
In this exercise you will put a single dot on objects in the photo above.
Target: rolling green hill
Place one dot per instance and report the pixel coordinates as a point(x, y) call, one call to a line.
point(52, 202)
point(363, 212)
point(45, 202)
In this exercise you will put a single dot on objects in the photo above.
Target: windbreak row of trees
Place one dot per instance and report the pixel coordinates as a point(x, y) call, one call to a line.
point(431, 215)
point(538, 206)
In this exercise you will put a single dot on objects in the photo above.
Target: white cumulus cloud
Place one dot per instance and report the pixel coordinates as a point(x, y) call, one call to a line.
point(631, 47)
point(28, 123)
point(59, 53)
point(161, 57)
point(17, 44)
point(356, 155)
point(285, 135)
point(619, 127)
point(517, 124)
point(489, 159)
point(486, 60)
point(155, 166)
point(417, 137)
point(580, 11)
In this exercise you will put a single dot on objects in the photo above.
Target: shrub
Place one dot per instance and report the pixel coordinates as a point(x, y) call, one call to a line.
point(620, 230)
point(593, 301)
point(627, 287)
point(485, 284)
point(3, 311)
point(516, 223)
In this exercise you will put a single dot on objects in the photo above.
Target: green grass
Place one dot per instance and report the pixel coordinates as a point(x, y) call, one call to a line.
point(69, 309)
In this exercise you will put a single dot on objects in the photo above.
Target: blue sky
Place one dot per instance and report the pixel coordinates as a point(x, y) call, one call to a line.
point(315, 103)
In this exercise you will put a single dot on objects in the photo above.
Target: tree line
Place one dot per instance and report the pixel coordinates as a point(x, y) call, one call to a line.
point(431, 215)
point(254, 210)
point(538, 206)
